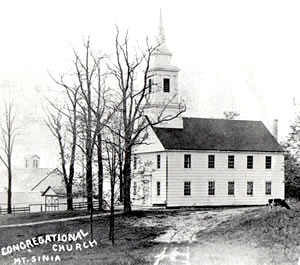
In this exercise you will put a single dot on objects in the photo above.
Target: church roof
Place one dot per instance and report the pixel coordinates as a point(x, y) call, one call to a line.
point(34, 179)
point(218, 135)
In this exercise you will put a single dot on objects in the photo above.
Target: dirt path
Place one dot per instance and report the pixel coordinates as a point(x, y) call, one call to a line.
point(183, 226)
point(181, 236)
point(185, 230)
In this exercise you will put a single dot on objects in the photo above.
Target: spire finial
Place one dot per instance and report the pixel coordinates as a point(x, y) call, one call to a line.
point(161, 32)
point(161, 36)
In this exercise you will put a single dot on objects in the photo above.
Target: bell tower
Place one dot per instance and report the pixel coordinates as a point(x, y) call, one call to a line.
point(163, 82)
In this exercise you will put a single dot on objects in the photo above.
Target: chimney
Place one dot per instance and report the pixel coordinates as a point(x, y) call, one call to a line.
point(275, 129)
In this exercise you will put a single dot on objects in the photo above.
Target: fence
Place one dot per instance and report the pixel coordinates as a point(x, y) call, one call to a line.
point(49, 207)
point(83, 205)
point(15, 210)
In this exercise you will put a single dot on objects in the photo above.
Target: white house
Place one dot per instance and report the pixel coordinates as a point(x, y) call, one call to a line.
point(30, 185)
point(37, 188)
point(203, 162)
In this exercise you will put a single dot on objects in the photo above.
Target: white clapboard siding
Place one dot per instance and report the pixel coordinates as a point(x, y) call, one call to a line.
point(199, 174)
point(159, 174)
point(147, 164)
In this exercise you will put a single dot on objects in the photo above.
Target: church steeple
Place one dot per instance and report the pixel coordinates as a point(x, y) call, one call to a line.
point(164, 80)
point(161, 32)
point(161, 37)
point(162, 55)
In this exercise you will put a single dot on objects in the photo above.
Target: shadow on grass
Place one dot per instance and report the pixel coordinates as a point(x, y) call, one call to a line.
point(133, 244)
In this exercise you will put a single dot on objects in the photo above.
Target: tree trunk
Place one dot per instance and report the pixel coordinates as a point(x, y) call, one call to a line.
point(121, 184)
point(127, 181)
point(89, 186)
point(69, 197)
point(121, 177)
point(112, 225)
point(91, 223)
point(9, 193)
point(89, 179)
point(112, 214)
point(100, 173)
point(89, 183)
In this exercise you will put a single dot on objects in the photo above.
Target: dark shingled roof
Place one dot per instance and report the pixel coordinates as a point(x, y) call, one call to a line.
point(218, 134)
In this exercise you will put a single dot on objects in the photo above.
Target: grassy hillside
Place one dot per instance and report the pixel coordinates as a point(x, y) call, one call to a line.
point(275, 232)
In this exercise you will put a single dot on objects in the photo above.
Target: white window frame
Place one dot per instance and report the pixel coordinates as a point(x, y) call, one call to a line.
point(268, 191)
point(252, 188)
point(229, 190)
point(169, 88)
point(150, 85)
point(187, 163)
point(211, 188)
point(158, 188)
point(211, 163)
point(231, 161)
point(190, 188)
point(158, 161)
point(268, 162)
point(252, 162)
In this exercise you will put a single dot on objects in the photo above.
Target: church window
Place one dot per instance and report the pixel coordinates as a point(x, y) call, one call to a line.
point(150, 85)
point(249, 162)
point(158, 188)
point(167, 85)
point(250, 188)
point(187, 161)
point(211, 161)
point(268, 162)
point(211, 188)
point(158, 161)
point(187, 188)
point(27, 163)
point(268, 187)
point(230, 188)
point(231, 161)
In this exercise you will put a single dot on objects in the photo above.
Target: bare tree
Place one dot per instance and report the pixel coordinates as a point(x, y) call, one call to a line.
point(230, 115)
point(94, 116)
point(100, 171)
point(63, 122)
point(85, 114)
point(120, 161)
point(112, 149)
point(93, 105)
point(134, 101)
point(8, 133)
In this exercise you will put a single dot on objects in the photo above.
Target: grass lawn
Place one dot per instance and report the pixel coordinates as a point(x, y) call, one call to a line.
point(275, 233)
point(271, 237)
point(131, 247)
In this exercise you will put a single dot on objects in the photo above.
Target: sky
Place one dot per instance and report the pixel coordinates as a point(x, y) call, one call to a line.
point(233, 55)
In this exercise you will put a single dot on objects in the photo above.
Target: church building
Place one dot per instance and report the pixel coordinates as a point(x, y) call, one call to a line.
point(201, 161)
